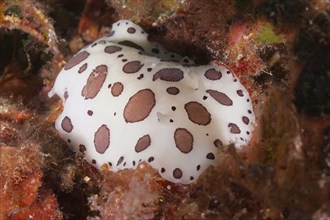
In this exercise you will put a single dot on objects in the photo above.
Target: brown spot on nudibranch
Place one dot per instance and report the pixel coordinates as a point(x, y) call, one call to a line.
point(220, 97)
point(234, 129)
point(239, 92)
point(217, 143)
point(139, 106)
point(117, 89)
point(82, 148)
point(120, 160)
point(144, 53)
point(78, 58)
point(168, 74)
point(245, 120)
point(155, 50)
point(177, 173)
point(112, 49)
point(66, 95)
point(143, 143)
point(67, 124)
point(82, 68)
point(210, 156)
point(131, 44)
point(95, 82)
point(197, 113)
point(183, 140)
point(131, 30)
point(132, 67)
point(212, 74)
point(172, 90)
point(141, 76)
point(102, 139)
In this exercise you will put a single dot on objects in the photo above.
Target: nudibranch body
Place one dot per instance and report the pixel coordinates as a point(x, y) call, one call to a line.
point(128, 100)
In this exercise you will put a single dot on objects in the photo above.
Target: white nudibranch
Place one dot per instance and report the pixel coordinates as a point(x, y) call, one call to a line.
point(128, 100)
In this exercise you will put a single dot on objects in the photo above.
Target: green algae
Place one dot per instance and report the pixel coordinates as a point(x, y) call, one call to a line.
point(268, 36)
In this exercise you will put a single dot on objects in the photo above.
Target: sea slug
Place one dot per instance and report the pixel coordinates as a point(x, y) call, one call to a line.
point(128, 100)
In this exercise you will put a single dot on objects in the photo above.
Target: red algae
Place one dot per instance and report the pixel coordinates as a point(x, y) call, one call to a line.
point(20, 183)
point(46, 209)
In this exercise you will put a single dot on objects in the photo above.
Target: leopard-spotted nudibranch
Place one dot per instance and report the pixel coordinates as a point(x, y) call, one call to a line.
point(128, 100)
